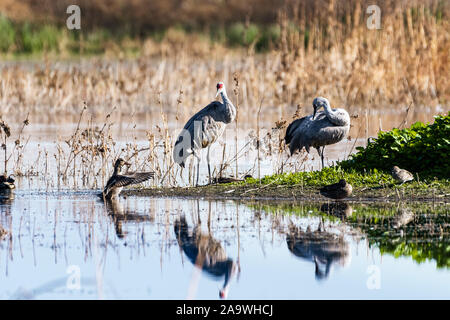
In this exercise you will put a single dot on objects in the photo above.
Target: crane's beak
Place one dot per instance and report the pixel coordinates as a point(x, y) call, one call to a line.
point(314, 114)
point(219, 92)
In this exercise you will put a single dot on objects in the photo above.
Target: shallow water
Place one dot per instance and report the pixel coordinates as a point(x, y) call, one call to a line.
point(62, 242)
point(70, 245)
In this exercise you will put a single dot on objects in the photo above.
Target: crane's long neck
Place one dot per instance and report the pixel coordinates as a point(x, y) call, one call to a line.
point(230, 110)
point(335, 117)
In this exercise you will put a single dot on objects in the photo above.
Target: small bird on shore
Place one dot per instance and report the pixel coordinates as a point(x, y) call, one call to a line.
point(117, 181)
point(222, 180)
point(337, 191)
point(6, 183)
point(401, 175)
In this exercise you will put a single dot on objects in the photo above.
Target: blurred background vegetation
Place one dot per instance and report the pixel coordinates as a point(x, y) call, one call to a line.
point(279, 52)
point(35, 26)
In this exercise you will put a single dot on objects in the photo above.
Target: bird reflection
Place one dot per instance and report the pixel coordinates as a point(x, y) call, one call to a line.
point(340, 210)
point(205, 252)
point(116, 211)
point(6, 197)
point(3, 233)
point(321, 247)
point(404, 216)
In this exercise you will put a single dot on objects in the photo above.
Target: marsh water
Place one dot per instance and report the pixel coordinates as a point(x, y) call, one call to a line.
point(60, 241)
point(70, 245)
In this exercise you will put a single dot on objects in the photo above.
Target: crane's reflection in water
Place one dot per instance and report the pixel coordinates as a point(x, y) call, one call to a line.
point(205, 252)
point(137, 247)
point(319, 246)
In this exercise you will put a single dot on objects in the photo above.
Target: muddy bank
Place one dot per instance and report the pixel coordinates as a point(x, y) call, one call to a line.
point(294, 193)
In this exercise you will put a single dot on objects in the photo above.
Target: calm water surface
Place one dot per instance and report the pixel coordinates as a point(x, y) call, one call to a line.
point(59, 241)
point(70, 245)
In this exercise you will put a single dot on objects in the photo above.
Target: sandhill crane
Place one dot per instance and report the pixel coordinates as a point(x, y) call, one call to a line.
point(319, 129)
point(337, 191)
point(205, 252)
point(203, 129)
point(117, 181)
point(401, 175)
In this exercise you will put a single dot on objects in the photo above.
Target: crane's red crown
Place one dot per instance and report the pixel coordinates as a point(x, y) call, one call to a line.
point(219, 85)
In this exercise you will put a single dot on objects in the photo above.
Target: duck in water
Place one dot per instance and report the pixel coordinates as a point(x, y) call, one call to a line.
point(6, 183)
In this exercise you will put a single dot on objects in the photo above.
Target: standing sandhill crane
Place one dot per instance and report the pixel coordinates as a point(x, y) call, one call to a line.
point(318, 130)
point(205, 252)
point(203, 129)
point(117, 181)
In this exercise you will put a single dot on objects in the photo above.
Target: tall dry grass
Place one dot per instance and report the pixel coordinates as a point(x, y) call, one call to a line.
point(404, 64)
point(324, 49)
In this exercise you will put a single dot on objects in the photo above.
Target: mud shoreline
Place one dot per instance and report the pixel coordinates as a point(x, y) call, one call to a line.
point(293, 193)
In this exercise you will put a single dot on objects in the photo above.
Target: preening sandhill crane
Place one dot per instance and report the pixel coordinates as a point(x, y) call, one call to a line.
point(205, 252)
point(117, 181)
point(203, 129)
point(319, 129)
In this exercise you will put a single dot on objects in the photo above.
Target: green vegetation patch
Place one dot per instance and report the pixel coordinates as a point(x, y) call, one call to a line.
point(422, 149)
point(371, 178)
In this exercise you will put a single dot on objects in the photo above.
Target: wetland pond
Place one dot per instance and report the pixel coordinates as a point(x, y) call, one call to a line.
point(60, 241)
point(71, 245)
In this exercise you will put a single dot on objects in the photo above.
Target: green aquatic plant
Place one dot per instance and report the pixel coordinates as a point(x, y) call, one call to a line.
point(422, 148)
point(327, 175)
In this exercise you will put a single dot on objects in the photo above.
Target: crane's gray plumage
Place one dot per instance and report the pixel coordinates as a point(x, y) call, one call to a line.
point(204, 128)
point(319, 129)
point(117, 181)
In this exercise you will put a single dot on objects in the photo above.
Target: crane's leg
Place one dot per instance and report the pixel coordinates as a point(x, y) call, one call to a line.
point(320, 152)
point(198, 167)
point(209, 167)
point(323, 149)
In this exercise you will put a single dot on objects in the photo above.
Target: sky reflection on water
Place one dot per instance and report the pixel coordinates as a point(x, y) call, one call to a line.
point(148, 248)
